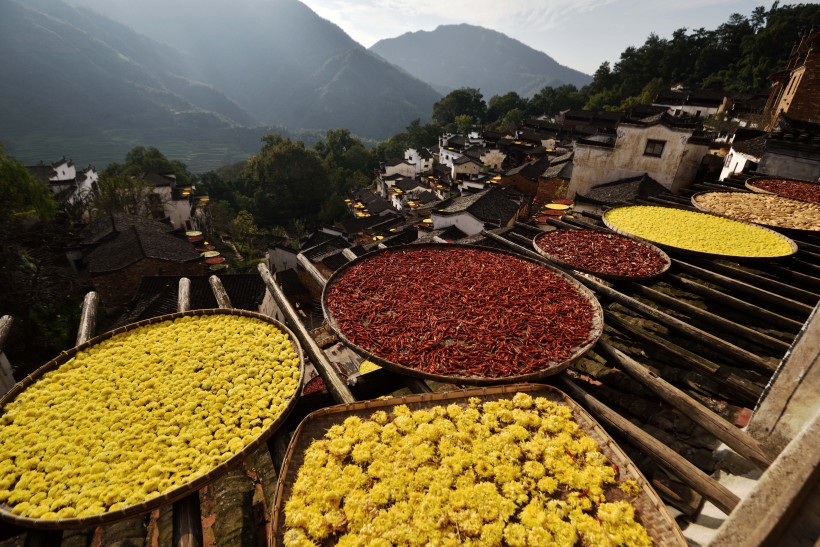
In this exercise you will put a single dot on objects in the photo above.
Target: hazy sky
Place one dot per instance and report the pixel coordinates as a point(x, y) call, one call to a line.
point(578, 33)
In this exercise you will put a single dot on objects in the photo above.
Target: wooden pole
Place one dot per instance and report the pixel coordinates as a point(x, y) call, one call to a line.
point(751, 310)
point(756, 337)
point(186, 513)
point(88, 318)
point(772, 285)
point(775, 300)
point(5, 327)
point(337, 388)
point(311, 269)
point(709, 488)
point(184, 295)
point(734, 438)
point(222, 299)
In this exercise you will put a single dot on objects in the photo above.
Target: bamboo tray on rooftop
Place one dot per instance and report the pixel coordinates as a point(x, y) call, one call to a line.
point(649, 509)
point(610, 277)
point(554, 368)
point(183, 490)
point(702, 254)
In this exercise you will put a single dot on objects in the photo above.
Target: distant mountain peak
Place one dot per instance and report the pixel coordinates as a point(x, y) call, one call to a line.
point(465, 55)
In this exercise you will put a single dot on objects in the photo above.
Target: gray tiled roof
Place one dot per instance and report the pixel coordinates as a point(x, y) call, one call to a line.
point(134, 244)
point(492, 206)
point(157, 295)
point(101, 227)
point(624, 190)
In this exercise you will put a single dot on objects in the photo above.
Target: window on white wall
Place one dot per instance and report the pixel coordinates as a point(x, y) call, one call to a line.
point(654, 148)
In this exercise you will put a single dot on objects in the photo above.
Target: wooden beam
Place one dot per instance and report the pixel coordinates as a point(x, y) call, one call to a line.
point(762, 314)
point(312, 271)
point(220, 293)
point(348, 254)
point(337, 388)
point(774, 300)
point(88, 318)
point(5, 327)
point(772, 285)
point(734, 438)
point(755, 337)
point(709, 488)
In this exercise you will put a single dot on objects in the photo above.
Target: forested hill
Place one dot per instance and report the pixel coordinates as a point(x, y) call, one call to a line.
point(737, 56)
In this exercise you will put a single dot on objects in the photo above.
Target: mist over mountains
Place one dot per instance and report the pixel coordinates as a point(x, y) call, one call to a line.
point(203, 81)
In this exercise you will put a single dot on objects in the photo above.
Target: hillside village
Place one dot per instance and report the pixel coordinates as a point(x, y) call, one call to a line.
point(548, 174)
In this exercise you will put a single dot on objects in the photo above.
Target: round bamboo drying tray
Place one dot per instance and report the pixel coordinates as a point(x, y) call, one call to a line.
point(779, 227)
point(554, 367)
point(649, 509)
point(752, 184)
point(182, 490)
point(702, 254)
point(610, 277)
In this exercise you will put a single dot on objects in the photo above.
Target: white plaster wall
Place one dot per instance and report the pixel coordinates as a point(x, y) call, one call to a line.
point(403, 168)
point(494, 159)
point(592, 166)
point(64, 172)
point(178, 211)
point(465, 222)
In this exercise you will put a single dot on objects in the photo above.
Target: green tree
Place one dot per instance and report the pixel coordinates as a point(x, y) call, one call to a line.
point(463, 101)
point(288, 182)
point(511, 120)
point(22, 194)
point(463, 123)
point(120, 193)
point(140, 161)
point(243, 228)
point(499, 105)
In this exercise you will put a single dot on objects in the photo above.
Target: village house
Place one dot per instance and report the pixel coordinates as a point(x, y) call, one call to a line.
point(67, 183)
point(791, 150)
point(666, 148)
point(118, 251)
point(401, 167)
point(492, 208)
point(796, 90)
point(421, 159)
point(699, 103)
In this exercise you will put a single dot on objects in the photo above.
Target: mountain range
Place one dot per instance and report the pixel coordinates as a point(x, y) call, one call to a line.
point(453, 56)
point(204, 81)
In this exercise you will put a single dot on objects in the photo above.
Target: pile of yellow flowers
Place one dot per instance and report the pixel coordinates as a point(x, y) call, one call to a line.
point(697, 231)
point(516, 471)
point(142, 413)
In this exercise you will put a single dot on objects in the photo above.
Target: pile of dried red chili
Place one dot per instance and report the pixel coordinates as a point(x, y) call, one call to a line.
point(460, 311)
point(602, 253)
point(803, 190)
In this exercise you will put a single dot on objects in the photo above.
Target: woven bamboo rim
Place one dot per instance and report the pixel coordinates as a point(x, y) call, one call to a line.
point(649, 508)
point(182, 490)
point(611, 277)
point(692, 252)
point(554, 368)
point(750, 184)
point(774, 227)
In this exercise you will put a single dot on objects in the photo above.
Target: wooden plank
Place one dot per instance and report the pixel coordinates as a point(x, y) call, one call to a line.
point(735, 439)
point(335, 385)
point(658, 451)
point(312, 271)
point(742, 388)
point(772, 285)
point(187, 517)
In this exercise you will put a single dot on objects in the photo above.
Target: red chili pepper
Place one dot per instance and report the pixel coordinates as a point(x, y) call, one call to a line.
point(460, 311)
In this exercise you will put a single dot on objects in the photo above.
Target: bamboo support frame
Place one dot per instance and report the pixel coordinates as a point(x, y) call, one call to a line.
point(735, 439)
point(334, 384)
point(711, 319)
point(88, 318)
point(221, 295)
point(775, 300)
point(708, 487)
point(777, 287)
point(664, 319)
